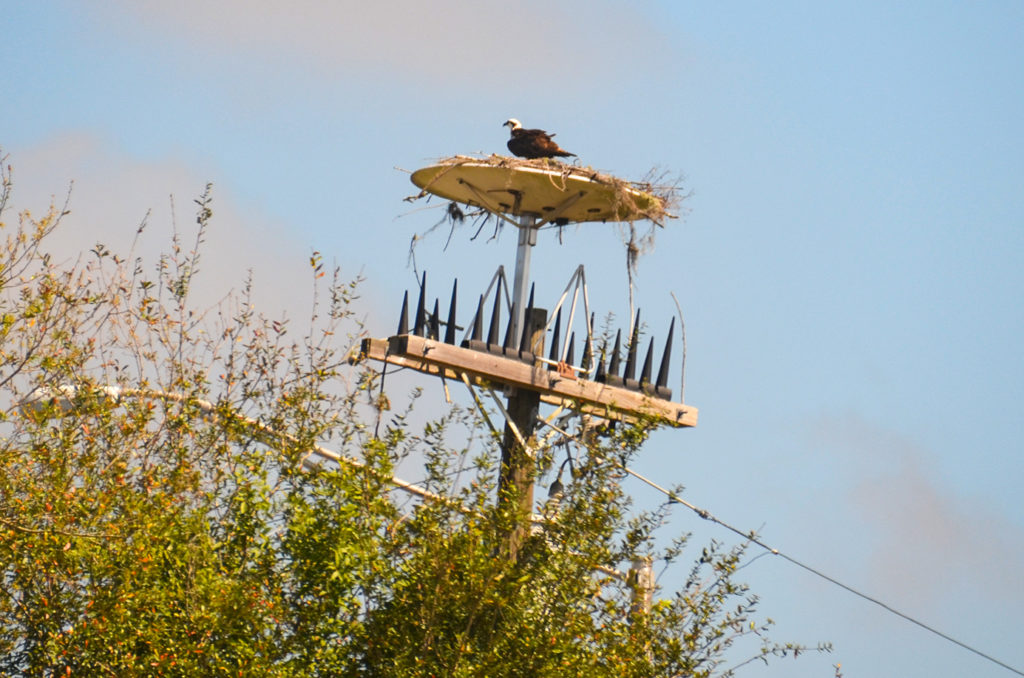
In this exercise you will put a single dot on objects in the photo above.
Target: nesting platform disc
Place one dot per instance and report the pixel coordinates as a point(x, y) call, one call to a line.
point(547, 189)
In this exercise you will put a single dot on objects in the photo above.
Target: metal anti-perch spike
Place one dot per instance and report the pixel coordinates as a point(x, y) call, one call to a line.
point(435, 321)
point(555, 336)
point(403, 319)
point(478, 322)
point(630, 372)
point(661, 388)
point(588, 351)
point(613, 362)
point(524, 339)
point(506, 345)
point(525, 352)
point(492, 332)
point(666, 357)
point(476, 334)
point(612, 376)
point(449, 329)
point(645, 371)
point(419, 324)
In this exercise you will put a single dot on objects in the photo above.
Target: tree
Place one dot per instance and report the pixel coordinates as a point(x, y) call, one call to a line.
point(163, 510)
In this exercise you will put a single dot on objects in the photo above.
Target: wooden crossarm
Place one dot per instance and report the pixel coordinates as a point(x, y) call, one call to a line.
point(609, 402)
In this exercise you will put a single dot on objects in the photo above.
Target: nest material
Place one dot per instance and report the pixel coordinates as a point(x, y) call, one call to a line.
point(653, 199)
point(632, 201)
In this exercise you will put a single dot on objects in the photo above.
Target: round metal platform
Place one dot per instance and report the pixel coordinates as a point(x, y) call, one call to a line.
point(554, 192)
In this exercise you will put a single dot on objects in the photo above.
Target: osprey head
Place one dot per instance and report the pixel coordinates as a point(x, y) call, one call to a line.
point(512, 124)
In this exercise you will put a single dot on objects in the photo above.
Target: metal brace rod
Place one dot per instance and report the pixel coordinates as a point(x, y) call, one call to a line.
point(546, 439)
point(586, 312)
point(511, 424)
point(576, 281)
point(499, 279)
point(558, 429)
point(557, 411)
point(492, 208)
point(479, 404)
point(564, 205)
point(572, 315)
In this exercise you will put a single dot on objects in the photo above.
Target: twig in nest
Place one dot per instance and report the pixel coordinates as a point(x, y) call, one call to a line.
point(665, 190)
point(483, 216)
point(682, 334)
point(455, 216)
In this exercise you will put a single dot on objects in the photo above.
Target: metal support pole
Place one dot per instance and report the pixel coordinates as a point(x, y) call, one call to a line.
point(521, 281)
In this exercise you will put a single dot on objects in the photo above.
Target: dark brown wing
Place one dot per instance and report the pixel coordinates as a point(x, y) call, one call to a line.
point(538, 133)
point(534, 143)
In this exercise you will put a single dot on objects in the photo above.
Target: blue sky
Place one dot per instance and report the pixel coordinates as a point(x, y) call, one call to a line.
point(850, 264)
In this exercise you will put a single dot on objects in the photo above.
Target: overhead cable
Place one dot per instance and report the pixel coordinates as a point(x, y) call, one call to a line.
point(750, 536)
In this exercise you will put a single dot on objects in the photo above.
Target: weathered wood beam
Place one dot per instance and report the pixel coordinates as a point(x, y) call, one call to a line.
point(602, 400)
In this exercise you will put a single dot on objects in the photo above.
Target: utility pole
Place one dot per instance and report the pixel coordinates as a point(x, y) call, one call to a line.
point(518, 464)
point(531, 195)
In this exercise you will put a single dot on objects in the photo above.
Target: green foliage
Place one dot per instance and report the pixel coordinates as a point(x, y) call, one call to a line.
point(162, 511)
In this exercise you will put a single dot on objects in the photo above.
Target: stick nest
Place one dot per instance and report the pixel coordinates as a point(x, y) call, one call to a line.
point(659, 196)
point(655, 198)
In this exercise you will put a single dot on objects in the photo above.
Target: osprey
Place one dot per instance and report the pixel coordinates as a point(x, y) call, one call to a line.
point(532, 143)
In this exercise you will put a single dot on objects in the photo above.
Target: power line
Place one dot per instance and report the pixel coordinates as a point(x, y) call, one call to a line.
point(116, 392)
point(749, 536)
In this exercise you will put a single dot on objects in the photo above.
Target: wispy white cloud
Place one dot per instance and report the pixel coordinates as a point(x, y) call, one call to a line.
point(523, 48)
point(113, 193)
point(926, 537)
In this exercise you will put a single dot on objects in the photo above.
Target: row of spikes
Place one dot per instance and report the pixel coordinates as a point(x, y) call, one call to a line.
point(429, 325)
point(570, 351)
point(627, 379)
point(516, 348)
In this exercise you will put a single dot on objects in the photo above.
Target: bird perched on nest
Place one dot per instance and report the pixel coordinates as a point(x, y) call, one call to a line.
point(532, 143)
